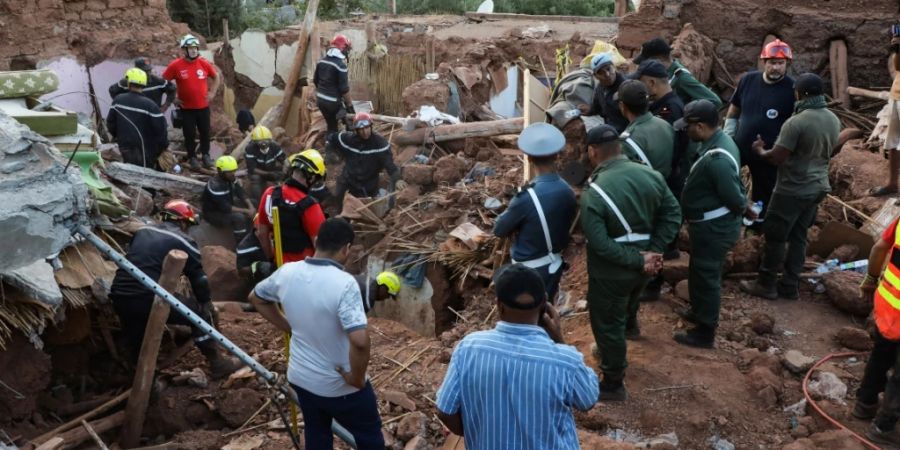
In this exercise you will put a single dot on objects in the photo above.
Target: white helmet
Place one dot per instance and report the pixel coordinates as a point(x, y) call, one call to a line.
point(189, 41)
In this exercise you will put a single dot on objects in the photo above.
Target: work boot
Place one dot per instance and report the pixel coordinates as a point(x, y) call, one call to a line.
point(651, 292)
point(220, 365)
point(613, 392)
point(686, 314)
point(632, 331)
point(207, 161)
point(756, 289)
point(880, 437)
point(699, 336)
point(195, 164)
point(788, 293)
point(864, 411)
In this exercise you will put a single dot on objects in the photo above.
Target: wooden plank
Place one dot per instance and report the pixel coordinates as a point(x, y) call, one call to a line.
point(840, 80)
point(535, 97)
point(74, 437)
point(621, 8)
point(136, 410)
point(509, 16)
point(454, 442)
point(290, 85)
point(77, 421)
point(443, 133)
point(144, 177)
point(267, 120)
point(860, 92)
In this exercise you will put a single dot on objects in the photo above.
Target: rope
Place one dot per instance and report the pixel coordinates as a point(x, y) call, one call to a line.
point(819, 410)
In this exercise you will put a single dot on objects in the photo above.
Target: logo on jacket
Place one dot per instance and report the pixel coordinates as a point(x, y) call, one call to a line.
point(183, 74)
point(201, 74)
point(772, 113)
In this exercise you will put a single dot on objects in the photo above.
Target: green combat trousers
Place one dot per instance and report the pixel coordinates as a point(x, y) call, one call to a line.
point(710, 243)
point(611, 303)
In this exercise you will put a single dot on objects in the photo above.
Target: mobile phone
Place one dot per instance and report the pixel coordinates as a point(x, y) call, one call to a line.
point(895, 30)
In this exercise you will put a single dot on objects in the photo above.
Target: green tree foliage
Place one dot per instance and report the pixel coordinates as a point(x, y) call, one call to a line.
point(561, 7)
point(205, 16)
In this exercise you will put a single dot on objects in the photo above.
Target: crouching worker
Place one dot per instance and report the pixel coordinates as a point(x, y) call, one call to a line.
point(132, 300)
point(225, 203)
point(385, 284)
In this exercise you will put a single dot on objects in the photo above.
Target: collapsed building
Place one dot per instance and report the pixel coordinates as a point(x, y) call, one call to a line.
point(58, 357)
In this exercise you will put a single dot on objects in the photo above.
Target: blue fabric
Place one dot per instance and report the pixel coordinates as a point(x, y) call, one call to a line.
point(357, 412)
point(515, 388)
point(559, 205)
point(412, 274)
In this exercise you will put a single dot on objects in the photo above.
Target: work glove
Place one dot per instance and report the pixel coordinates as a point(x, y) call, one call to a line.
point(730, 127)
point(867, 287)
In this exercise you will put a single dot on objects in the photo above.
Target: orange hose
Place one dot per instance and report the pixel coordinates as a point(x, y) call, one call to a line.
point(823, 413)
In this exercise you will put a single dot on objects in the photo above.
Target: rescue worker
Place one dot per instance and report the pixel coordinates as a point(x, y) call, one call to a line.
point(197, 83)
point(137, 124)
point(665, 103)
point(299, 212)
point(385, 284)
point(628, 216)
point(760, 105)
point(648, 140)
point(891, 145)
point(333, 86)
point(713, 202)
point(249, 254)
point(608, 81)
point(265, 161)
point(541, 213)
point(155, 89)
point(883, 289)
point(683, 82)
point(802, 152)
point(225, 203)
point(366, 154)
point(132, 300)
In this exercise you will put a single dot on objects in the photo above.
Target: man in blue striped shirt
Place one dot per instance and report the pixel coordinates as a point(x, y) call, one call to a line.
point(515, 386)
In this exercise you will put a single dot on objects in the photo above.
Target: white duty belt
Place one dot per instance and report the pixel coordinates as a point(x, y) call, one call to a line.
point(554, 260)
point(629, 236)
point(326, 97)
point(640, 152)
point(722, 210)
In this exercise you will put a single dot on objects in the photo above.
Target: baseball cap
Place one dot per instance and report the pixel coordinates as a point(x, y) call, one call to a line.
point(650, 68)
point(652, 49)
point(143, 63)
point(541, 139)
point(600, 61)
point(698, 111)
point(602, 134)
point(514, 280)
point(809, 84)
point(633, 94)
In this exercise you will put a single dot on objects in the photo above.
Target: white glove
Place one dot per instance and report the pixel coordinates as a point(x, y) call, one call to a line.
point(730, 127)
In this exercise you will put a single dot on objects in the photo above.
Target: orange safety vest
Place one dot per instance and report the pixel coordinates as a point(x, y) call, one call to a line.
point(887, 296)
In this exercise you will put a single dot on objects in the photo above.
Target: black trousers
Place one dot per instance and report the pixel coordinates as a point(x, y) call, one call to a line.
point(875, 378)
point(763, 175)
point(889, 412)
point(193, 121)
point(133, 312)
point(330, 110)
point(357, 412)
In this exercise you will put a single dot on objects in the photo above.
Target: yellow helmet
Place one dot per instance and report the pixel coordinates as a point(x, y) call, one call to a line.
point(226, 163)
point(310, 161)
point(390, 280)
point(260, 133)
point(136, 76)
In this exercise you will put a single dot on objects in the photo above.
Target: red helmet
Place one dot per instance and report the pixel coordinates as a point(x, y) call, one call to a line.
point(362, 120)
point(777, 49)
point(341, 42)
point(179, 211)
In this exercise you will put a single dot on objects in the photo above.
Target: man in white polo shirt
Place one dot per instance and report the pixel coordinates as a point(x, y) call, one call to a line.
point(324, 313)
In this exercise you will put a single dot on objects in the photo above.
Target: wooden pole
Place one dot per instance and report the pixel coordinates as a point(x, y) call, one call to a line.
point(290, 85)
point(77, 421)
point(136, 410)
point(881, 95)
point(839, 76)
point(225, 33)
point(394, 7)
point(74, 437)
point(97, 440)
point(443, 133)
point(621, 8)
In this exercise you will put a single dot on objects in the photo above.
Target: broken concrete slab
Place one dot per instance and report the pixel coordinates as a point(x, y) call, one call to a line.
point(149, 178)
point(36, 281)
point(797, 362)
point(284, 59)
point(254, 57)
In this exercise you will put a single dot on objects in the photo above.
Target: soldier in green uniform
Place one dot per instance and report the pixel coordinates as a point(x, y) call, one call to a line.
point(713, 201)
point(802, 152)
point(628, 216)
point(683, 82)
point(647, 139)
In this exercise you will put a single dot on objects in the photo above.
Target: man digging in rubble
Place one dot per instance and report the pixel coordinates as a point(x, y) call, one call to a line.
point(761, 104)
point(225, 203)
point(541, 213)
point(628, 216)
point(515, 386)
point(713, 202)
point(802, 152)
point(330, 345)
point(132, 300)
point(155, 89)
point(608, 81)
point(683, 82)
point(892, 141)
point(300, 214)
point(333, 87)
point(137, 124)
point(192, 74)
point(366, 154)
point(265, 162)
point(385, 285)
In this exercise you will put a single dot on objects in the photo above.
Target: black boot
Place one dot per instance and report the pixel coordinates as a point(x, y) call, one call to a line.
point(207, 161)
point(686, 314)
point(220, 365)
point(194, 163)
point(651, 292)
point(632, 330)
point(757, 289)
point(699, 336)
point(612, 390)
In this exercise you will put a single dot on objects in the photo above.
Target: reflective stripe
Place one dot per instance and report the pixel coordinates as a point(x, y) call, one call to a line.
point(176, 236)
point(342, 69)
point(326, 97)
point(640, 152)
point(368, 288)
point(737, 167)
point(142, 111)
point(629, 235)
point(714, 214)
point(154, 88)
point(211, 191)
point(554, 259)
point(678, 71)
point(359, 151)
point(542, 261)
point(247, 250)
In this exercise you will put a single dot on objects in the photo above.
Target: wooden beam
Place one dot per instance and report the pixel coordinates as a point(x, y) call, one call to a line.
point(136, 410)
point(94, 435)
point(267, 120)
point(144, 177)
point(74, 437)
point(840, 80)
point(290, 85)
point(621, 8)
point(112, 403)
point(508, 16)
point(443, 133)
point(860, 92)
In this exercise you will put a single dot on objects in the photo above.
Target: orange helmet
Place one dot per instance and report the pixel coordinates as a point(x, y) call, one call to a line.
point(341, 43)
point(362, 120)
point(179, 211)
point(777, 49)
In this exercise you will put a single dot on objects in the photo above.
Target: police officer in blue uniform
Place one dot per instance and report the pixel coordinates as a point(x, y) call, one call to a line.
point(541, 213)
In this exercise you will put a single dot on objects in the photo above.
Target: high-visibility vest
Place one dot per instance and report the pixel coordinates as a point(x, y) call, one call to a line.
point(887, 296)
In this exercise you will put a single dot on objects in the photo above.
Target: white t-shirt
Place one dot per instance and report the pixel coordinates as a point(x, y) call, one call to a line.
point(323, 305)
